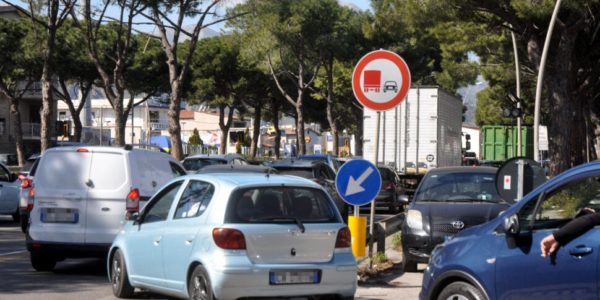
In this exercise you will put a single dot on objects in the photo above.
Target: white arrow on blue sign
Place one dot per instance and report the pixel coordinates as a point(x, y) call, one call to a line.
point(358, 182)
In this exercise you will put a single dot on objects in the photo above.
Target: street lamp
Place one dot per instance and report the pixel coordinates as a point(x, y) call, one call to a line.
point(540, 79)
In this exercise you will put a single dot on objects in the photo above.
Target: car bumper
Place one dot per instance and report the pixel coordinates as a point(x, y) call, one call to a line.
point(68, 250)
point(419, 245)
point(247, 280)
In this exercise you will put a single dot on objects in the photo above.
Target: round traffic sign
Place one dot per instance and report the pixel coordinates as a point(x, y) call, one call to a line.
point(358, 182)
point(507, 178)
point(381, 80)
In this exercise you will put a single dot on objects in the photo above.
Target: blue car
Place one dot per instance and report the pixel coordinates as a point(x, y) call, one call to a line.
point(501, 259)
point(235, 235)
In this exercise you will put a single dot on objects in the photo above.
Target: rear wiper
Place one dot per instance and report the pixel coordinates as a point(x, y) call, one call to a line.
point(282, 218)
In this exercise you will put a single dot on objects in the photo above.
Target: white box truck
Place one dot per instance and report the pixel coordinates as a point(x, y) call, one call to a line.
point(425, 128)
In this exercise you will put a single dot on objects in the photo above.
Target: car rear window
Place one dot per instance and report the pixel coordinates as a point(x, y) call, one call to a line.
point(304, 173)
point(64, 170)
point(280, 205)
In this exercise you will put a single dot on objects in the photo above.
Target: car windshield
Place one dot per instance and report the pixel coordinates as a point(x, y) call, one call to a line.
point(458, 187)
point(194, 164)
point(297, 205)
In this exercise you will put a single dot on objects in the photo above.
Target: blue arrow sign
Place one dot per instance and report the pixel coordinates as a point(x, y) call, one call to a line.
point(358, 182)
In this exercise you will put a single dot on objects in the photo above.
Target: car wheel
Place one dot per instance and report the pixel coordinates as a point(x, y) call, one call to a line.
point(347, 298)
point(408, 265)
point(42, 262)
point(119, 277)
point(16, 216)
point(199, 287)
point(460, 291)
point(24, 222)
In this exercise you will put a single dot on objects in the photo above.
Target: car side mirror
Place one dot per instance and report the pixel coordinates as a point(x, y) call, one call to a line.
point(403, 198)
point(511, 225)
point(133, 216)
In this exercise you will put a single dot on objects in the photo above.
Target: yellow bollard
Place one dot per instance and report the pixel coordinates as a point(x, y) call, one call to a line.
point(358, 231)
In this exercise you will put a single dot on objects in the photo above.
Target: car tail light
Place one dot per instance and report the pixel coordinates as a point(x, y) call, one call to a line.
point(83, 150)
point(132, 203)
point(343, 238)
point(229, 238)
point(25, 182)
point(389, 186)
point(31, 197)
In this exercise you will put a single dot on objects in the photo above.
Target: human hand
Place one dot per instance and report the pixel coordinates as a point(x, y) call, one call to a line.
point(548, 245)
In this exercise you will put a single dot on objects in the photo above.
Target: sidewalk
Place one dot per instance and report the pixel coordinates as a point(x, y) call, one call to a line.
point(389, 282)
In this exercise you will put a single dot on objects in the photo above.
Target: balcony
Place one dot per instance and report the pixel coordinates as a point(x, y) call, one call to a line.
point(31, 130)
point(159, 124)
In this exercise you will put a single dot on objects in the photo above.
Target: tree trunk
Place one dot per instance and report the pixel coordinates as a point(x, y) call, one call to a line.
point(174, 126)
point(330, 103)
point(225, 126)
point(300, 129)
point(255, 131)
point(16, 116)
point(277, 142)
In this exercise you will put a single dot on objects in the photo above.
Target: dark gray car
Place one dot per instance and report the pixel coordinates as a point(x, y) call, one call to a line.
point(447, 201)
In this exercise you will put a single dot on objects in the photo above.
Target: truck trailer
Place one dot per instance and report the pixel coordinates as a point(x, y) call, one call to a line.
point(423, 130)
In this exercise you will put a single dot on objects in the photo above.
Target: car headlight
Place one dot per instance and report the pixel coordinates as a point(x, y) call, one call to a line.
point(414, 219)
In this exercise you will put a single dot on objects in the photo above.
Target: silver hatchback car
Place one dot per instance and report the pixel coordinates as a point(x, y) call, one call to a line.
point(231, 236)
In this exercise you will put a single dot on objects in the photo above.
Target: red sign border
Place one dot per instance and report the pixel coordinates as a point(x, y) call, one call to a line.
point(362, 63)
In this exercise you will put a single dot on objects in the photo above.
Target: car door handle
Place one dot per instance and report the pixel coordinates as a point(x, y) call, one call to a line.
point(580, 251)
point(157, 241)
point(189, 242)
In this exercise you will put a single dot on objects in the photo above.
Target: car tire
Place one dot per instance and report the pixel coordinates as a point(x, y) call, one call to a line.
point(408, 265)
point(16, 216)
point(24, 222)
point(393, 209)
point(461, 290)
point(42, 262)
point(347, 298)
point(199, 287)
point(119, 278)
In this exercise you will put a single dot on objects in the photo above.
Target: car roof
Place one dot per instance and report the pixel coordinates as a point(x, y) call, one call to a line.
point(317, 156)
point(217, 156)
point(463, 169)
point(294, 163)
point(237, 169)
point(240, 180)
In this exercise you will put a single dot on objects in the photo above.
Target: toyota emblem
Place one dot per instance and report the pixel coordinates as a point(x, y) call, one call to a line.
point(458, 224)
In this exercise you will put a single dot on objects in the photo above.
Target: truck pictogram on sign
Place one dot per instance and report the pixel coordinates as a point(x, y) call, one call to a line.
point(372, 80)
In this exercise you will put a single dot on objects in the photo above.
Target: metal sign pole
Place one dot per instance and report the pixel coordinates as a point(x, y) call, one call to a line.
point(372, 217)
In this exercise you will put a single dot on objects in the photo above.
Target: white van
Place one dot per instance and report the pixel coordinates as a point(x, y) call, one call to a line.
point(80, 198)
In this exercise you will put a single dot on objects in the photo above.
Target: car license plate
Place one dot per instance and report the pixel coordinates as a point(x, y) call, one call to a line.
point(294, 277)
point(59, 215)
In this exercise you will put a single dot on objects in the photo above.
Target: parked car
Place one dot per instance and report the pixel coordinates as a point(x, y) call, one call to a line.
point(409, 184)
point(196, 162)
point(317, 171)
point(80, 196)
point(448, 200)
point(333, 161)
point(26, 176)
point(9, 193)
point(501, 259)
point(234, 236)
point(9, 159)
point(388, 197)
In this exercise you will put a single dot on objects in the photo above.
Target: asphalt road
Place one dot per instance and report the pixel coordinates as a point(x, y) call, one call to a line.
point(86, 278)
